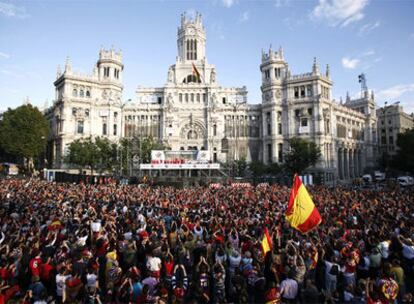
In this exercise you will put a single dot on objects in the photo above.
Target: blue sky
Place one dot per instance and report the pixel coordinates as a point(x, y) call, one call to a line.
point(375, 37)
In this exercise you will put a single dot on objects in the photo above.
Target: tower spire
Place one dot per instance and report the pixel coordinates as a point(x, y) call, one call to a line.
point(58, 71)
point(68, 65)
point(315, 67)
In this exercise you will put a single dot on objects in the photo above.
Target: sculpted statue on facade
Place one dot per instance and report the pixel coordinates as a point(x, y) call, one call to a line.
point(213, 76)
point(278, 93)
point(170, 75)
point(170, 103)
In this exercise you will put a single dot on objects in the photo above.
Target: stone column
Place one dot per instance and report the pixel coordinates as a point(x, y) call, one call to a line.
point(342, 164)
point(356, 163)
point(346, 164)
point(339, 162)
point(351, 164)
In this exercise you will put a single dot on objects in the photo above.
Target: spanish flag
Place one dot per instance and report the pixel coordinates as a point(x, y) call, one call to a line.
point(266, 242)
point(301, 213)
point(196, 72)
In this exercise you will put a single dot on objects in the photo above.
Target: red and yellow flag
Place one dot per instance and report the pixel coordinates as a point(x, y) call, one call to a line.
point(196, 73)
point(301, 212)
point(266, 242)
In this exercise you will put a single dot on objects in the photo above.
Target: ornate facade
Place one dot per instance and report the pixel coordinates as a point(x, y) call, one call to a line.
point(193, 111)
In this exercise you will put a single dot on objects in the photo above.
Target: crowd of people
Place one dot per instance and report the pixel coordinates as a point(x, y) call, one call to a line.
point(80, 243)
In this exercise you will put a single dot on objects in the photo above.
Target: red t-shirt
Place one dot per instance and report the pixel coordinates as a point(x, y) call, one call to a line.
point(169, 267)
point(35, 266)
point(7, 294)
point(4, 273)
point(46, 270)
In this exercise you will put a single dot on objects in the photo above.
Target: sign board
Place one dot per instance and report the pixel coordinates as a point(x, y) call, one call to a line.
point(178, 166)
point(203, 156)
point(157, 155)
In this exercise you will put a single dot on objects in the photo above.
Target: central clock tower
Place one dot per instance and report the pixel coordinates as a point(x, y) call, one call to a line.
point(191, 42)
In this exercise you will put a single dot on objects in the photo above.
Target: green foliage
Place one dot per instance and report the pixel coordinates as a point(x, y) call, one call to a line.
point(404, 160)
point(258, 169)
point(140, 147)
point(147, 145)
point(240, 167)
point(84, 153)
point(301, 156)
point(107, 153)
point(273, 169)
point(23, 132)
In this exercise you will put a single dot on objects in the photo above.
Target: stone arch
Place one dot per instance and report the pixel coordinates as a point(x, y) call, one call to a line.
point(193, 131)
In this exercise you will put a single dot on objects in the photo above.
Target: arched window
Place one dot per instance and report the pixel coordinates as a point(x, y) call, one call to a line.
point(186, 97)
point(75, 93)
point(180, 97)
point(81, 93)
point(88, 94)
point(198, 97)
point(192, 97)
point(191, 78)
point(192, 134)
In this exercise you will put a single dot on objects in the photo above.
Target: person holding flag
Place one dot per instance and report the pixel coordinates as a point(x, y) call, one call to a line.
point(266, 242)
point(301, 212)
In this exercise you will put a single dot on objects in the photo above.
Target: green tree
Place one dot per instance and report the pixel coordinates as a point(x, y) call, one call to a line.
point(141, 147)
point(302, 155)
point(23, 132)
point(107, 152)
point(273, 169)
point(240, 167)
point(83, 153)
point(404, 160)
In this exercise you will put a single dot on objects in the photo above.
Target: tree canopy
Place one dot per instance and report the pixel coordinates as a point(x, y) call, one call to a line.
point(302, 155)
point(23, 132)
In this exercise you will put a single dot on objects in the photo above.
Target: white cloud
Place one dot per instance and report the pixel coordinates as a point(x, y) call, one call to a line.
point(11, 10)
point(281, 3)
point(395, 92)
point(368, 53)
point(4, 55)
point(367, 28)
point(228, 3)
point(349, 63)
point(339, 12)
point(244, 17)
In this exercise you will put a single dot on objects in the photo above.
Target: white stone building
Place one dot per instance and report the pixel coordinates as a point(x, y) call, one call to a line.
point(392, 120)
point(193, 111)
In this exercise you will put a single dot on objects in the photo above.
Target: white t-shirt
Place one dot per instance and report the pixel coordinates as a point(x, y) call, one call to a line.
point(289, 289)
point(348, 296)
point(154, 264)
point(408, 251)
point(61, 283)
point(384, 248)
point(91, 279)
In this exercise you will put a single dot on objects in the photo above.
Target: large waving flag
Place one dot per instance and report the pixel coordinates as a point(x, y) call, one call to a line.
point(301, 212)
point(266, 242)
point(196, 73)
